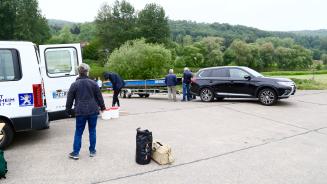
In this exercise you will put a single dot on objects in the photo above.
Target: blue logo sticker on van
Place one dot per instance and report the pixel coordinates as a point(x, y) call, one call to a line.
point(25, 99)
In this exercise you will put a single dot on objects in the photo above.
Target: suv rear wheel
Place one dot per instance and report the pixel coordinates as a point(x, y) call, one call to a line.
point(267, 97)
point(8, 135)
point(206, 95)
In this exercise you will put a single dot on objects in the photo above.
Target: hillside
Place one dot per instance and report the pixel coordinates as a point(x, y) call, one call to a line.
point(181, 28)
point(320, 32)
point(59, 23)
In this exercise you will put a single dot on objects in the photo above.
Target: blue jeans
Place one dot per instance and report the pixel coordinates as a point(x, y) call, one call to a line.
point(186, 92)
point(80, 126)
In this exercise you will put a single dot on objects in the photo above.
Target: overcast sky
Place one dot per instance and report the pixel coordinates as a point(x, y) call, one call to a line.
point(275, 15)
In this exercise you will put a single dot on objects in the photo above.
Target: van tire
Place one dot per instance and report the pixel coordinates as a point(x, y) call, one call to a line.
point(8, 133)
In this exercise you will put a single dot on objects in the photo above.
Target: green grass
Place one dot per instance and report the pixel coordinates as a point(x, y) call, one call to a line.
point(308, 82)
point(291, 73)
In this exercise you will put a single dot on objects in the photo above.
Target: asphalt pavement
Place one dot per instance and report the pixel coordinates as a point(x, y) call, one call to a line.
point(230, 142)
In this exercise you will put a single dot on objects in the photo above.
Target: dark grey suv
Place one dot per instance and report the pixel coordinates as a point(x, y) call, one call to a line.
point(240, 82)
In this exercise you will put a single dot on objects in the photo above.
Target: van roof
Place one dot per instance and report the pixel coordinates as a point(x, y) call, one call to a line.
point(21, 43)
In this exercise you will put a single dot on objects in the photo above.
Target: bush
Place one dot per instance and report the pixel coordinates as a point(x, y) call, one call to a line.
point(139, 60)
point(96, 71)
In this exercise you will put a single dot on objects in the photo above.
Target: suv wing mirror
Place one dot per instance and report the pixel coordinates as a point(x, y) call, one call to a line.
point(248, 77)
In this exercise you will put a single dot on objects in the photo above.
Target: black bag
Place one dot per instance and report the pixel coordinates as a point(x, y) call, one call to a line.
point(143, 146)
point(3, 165)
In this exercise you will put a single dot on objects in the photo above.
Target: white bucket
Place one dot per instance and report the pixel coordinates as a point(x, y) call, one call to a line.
point(114, 112)
point(106, 114)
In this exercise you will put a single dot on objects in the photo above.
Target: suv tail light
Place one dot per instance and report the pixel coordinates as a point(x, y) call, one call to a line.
point(37, 95)
point(193, 80)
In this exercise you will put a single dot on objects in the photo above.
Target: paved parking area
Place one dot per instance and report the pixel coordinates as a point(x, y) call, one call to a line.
point(234, 141)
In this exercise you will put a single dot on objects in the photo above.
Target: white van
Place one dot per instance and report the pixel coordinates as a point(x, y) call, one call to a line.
point(34, 82)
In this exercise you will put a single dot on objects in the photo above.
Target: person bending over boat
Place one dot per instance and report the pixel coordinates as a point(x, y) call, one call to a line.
point(117, 84)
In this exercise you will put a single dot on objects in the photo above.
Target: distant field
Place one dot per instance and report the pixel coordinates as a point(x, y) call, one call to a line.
point(308, 82)
point(292, 73)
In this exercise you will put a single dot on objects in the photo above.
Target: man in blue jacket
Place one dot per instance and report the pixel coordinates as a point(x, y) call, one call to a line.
point(117, 84)
point(171, 82)
point(187, 76)
point(88, 100)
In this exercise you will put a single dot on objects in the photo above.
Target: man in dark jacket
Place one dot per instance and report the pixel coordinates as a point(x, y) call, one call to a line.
point(171, 82)
point(88, 100)
point(117, 84)
point(187, 76)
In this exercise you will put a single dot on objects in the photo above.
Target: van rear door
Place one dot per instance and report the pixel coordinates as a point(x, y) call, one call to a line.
point(59, 70)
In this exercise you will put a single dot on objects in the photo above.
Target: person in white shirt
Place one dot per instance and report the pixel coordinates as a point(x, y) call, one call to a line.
point(99, 82)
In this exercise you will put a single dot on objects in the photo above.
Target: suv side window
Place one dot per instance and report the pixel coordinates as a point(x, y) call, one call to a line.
point(221, 72)
point(236, 73)
point(9, 65)
point(205, 73)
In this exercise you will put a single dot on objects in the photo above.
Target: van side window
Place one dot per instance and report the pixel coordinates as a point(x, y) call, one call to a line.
point(61, 61)
point(9, 65)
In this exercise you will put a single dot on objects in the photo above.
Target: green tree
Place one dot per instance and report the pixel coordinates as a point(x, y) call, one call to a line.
point(323, 44)
point(324, 58)
point(192, 56)
point(140, 60)
point(116, 25)
point(211, 50)
point(88, 32)
point(241, 53)
point(153, 24)
point(267, 52)
point(22, 20)
point(187, 40)
point(65, 36)
point(91, 51)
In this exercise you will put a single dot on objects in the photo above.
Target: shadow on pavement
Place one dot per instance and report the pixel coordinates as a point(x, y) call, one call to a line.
point(28, 138)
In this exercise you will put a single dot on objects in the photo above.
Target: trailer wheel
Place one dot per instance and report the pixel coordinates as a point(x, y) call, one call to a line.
point(129, 96)
point(147, 95)
point(8, 135)
point(141, 95)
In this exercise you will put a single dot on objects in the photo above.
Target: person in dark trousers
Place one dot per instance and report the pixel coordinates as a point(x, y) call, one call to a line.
point(187, 76)
point(171, 82)
point(117, 84)
point(88, 101)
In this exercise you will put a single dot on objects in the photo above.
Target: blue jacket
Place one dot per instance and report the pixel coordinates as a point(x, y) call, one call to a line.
point(171, 80)
point(116, 81)
point(187, 76)
point(87, 96)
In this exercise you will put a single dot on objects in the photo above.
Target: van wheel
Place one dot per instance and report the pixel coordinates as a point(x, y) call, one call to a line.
point(206, 95)
point(267, 97)
point(8, 135)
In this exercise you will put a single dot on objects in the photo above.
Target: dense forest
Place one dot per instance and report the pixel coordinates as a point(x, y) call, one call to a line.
point(149, 38)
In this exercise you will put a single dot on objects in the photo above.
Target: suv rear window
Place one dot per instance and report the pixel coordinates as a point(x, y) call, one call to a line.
point(9, 65)
point(205, 73)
